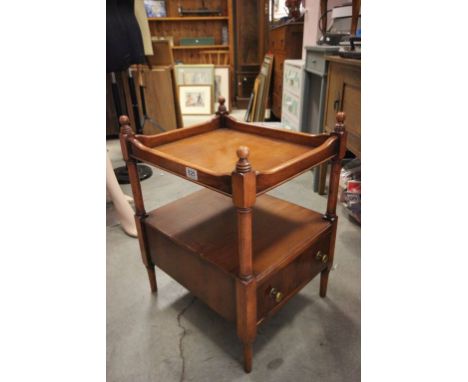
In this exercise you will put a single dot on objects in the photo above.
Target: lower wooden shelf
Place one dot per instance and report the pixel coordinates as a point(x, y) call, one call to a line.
point(185, 47)
point(194, 240)
point(189, 18)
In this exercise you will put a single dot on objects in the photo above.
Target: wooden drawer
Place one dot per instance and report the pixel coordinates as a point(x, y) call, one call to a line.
point(315, 62)
point(276, 105)
point(290, 279)
point(279, 67)
point(278, 61)
point(344, 94)
point(278, 39)
point(278, 81)
point(217, 289)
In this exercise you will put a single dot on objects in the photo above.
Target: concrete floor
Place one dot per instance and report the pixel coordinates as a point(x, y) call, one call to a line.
point(172, 336)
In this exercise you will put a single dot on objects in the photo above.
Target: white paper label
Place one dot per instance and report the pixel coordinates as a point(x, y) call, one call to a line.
point(191, 173)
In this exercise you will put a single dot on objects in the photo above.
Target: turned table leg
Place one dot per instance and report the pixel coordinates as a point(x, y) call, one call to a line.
point(126, 135)
point(244, 194)
point(152, 278)
point(248, 356)
point(247, 318)
point(323, 168)
point(332, 201)
point(324, 282)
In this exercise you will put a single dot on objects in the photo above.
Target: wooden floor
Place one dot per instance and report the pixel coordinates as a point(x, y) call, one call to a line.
point(205, 222)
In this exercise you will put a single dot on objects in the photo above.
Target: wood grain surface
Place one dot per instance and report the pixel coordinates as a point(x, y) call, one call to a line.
point(245, 254)
point(216, 150)
point(205, 222)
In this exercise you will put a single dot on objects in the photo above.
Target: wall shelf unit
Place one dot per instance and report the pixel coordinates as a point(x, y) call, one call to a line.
point(178, 27)
point(251, 34)
point(185, 47)
point(189, 18)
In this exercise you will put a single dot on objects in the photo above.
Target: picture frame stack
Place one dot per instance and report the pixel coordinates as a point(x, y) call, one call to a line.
point(200, 86)
point(259, 97)
point(222, 85)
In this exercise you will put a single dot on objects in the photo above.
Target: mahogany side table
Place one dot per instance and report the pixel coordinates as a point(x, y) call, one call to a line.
point(243, 253)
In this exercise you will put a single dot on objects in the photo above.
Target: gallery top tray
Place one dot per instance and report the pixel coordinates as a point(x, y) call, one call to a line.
point(206, 153)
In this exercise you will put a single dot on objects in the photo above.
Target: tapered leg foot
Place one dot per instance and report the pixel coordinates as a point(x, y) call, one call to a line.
point(324, 283)
point(152, 279)
point(248, 355)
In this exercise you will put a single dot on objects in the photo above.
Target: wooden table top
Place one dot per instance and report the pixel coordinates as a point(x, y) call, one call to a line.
point(206, 153)
point(343, 60)
point(216, 150)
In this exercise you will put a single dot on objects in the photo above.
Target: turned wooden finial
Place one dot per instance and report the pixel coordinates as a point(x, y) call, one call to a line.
point(339, 125)
point(222, 109)
point(125, 125)
point(243, 164)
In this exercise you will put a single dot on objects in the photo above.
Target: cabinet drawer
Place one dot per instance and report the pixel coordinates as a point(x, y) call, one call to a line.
point(288, 122)
point(292, 105)
point(286, 282)
point(344, 94)
point(292, 80)
point(315, 62)
point(278, 63)
point(278, 83)
point(276, 105)
point(278, 39)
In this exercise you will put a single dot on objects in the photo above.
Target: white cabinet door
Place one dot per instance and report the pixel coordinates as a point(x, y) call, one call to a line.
point(293, 87)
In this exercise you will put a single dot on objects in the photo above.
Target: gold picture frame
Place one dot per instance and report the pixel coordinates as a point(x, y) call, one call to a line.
point(259, 98)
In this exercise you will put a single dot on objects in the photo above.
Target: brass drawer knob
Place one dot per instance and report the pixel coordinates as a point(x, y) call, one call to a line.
point(320, 256)
point(276, 294)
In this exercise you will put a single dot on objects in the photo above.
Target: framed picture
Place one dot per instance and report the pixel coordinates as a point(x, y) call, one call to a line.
point(253, 101)
point(196, 99)
point(264, 89)
point(221, 85)
point(260, 100)
point(194, 74)
point(155, 8)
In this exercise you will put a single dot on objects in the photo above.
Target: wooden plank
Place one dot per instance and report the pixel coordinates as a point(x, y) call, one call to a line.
point(159, 95)
point(189, 18)
point(342, 60)
point(187, 47)
point(162, 53)
point(288, 136)
point(172, 6)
